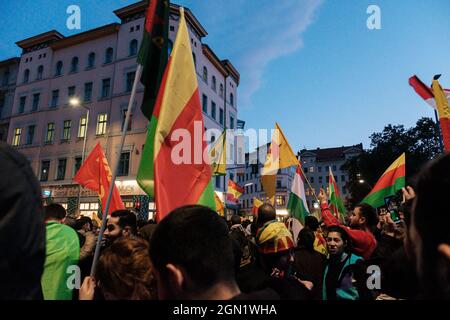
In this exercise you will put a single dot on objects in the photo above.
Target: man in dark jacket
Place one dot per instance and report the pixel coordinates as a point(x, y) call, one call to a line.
point(22, 228)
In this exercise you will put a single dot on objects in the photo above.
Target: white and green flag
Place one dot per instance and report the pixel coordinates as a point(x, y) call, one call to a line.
point(297, 206)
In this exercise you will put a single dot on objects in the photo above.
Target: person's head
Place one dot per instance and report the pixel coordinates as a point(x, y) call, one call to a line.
point(363, 216)
point(22, 227)
point(192, 255)
point(235, 219)
point(266, 212)
point(124, 271)
point(429, 232)
point(311, 223)
point(84, 223)
point(55, 212)
point(337, 241)
point(122, 223)
point(245, 223)
point(306, 239)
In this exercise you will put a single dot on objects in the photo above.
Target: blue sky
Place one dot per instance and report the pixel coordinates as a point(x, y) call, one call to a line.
point(311, 65)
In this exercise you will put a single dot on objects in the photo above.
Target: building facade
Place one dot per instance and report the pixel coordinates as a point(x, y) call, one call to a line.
point(98, 67)
point(316, 164)
point(8, 79)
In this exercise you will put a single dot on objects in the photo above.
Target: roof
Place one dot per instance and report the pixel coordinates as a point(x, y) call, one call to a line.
point(232, 70)
point(85, 36)
point(51, 35)
point(331, 153)
point(207, 51)
point(9, 62)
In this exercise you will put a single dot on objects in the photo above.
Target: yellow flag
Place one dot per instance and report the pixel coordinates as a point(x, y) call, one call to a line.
point(218, 154)
point(444, 113)
point(280, 156)
point(220, 207)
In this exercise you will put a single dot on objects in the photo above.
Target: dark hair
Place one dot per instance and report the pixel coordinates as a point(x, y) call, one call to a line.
point(126, 219)
point(369, 213)
point(235, 219)
point(195, 238)
point(306, 239)
point(266, 212)
point(432, 219)
point(312, 223)
point(82, 221)
point(125, 272)
point(55, 211)
point(344, 236)
point(245, 223)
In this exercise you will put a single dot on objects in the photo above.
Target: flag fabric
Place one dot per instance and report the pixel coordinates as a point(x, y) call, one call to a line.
point(336, 204)
point(320, 245)
point(256, 204)
point(153, 56)
point(444, 113)
point(280, 156)
point(95, 175)
point(220, 206)
point(235, 191)
point(218, 155)
point(181, 174)
point(426, 92)
point(392, 180)
point(297, 206)
point(153, 52)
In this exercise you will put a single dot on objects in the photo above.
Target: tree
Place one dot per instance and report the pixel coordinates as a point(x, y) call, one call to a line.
point(420, 143)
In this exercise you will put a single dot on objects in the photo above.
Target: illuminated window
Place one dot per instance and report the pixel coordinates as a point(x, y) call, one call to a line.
point(101, 124)
point(17, 134)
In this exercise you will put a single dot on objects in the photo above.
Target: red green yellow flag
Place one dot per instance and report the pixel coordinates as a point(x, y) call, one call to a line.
point(444, 113)
point(336, 204)
point(392, 180)
point(235, 191)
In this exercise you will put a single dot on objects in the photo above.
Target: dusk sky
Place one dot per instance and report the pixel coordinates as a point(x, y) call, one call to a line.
point(311, 65)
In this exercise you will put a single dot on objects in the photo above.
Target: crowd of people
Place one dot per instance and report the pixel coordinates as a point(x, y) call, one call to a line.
point(196, 254)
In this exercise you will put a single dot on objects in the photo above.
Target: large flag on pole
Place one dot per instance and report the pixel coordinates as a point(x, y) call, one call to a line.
point(218, 155)
point(153, 55)
point(280, 156)
point(95, 175)
point(392, 180)
point(235, 191)
point(425, 92)
point(443, 111)
point(182, 176)
point(336, 204)
point(297, 206)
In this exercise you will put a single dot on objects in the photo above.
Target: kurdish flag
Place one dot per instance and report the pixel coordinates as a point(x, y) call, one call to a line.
point(188, 181)
point(443, 111)
point(336, 205)
point(392, 180)
point(220, 206)
point(218, 155)
point(425, 92)
point(235, 191)
point(297, 205)
point(256, 204)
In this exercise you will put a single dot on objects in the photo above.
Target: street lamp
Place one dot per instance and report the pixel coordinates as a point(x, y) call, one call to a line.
point(75, 102)
point(362, 181)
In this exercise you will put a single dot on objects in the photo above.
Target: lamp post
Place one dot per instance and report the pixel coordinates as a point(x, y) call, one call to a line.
point(75, 102)
point(362, 181)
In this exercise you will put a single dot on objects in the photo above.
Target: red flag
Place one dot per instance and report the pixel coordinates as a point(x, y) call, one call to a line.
point(96, 175)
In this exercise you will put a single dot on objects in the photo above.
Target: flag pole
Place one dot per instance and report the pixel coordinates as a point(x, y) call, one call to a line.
point(116, 167)
point(309, 184)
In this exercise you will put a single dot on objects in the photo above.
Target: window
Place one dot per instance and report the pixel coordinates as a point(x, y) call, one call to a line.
point(172, 28)
point(327, 168)
point(221, 116)
point(170, 47)
point(231, 99)
point(221, 90)
point(55, 97)
point(138, 27)
point(131, 29)
point(279, 200)
point(40, 72)
point(61, 170)
point(35, 104)
point(213, 110)
point(50, 136)
point(217, 182)
point(91, 60)
point(343, 178)
point(319, 169)
point(26, 76)
point(231, 122)
point(334, 168)
point(82, 127)
point(278, 184)
point(74, 65)
point(106, 85)
point(133, 47)
point(88, 91)
point(195, 60)
point(58, 70)
point(76, 165)
point(214, 84)
point(311, 169)
point(205, 103)
point(45, 167)
point(109, 55)
point(101, 124)
point(344, 190)
point(205, 75)
point(129, 81)
point(124, 117)
point(71, 91)
point(5, 80)
point(30, 134)
point(320, 179)
point(66, 129)
point(16, 138)
point(2, 105)
point(22, 102)
point(124, 164)
point(336, 178)
point(311, 179)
